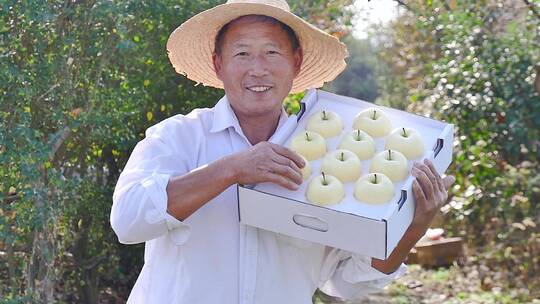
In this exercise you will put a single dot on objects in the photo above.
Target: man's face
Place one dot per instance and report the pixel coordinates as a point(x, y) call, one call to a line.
point(257, 66)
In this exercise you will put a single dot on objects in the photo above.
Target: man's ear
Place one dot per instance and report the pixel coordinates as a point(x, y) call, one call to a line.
point(216, 60)
point(298, 59)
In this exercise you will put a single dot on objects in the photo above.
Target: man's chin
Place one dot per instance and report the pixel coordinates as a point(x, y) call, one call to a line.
point(262, 110)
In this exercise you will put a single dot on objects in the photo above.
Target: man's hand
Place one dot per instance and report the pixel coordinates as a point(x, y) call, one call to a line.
point(268, 162)
point(430, 193)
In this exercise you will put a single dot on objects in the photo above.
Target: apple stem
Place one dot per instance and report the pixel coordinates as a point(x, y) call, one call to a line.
point(374, 115)
point(307, 136)
point(324, 115)
point(324, 179)
point(358, 135)
point(389, 154)
point(405, 133)
point(375, 181)
point(342, 157)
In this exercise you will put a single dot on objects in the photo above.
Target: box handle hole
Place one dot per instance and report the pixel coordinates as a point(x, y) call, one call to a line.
point(438, 147)
point(310, 222)
point(402, 199)
point(301, 112)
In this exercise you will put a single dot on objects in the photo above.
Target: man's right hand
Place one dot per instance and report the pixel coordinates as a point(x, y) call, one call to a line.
point(268, 162)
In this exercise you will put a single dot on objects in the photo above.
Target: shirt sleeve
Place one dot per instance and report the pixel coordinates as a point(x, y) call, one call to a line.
point(350, 276)
point(139, 211)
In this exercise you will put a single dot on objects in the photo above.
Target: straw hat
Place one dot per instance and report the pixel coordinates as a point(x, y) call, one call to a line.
point(190, 46)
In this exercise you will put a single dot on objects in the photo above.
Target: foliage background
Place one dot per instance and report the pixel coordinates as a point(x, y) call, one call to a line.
point(472, 63)
point(80, 81)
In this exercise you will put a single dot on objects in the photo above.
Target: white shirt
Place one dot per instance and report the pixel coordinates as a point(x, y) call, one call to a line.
point(210, 257)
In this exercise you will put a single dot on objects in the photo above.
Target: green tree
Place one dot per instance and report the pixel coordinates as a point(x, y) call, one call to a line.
point(359, 79)
point(80, 81)
point(471, 63)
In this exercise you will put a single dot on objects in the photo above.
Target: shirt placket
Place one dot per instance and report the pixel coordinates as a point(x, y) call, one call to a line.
point(248, 240)
point(250, 264)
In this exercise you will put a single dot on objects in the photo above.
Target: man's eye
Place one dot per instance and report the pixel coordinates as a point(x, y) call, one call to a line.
point(242, 54)
point(273, 52)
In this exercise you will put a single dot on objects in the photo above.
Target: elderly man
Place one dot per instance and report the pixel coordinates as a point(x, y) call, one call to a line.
point(178, 195)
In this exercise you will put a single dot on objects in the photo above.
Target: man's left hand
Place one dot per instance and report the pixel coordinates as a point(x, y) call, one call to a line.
point(430, 192)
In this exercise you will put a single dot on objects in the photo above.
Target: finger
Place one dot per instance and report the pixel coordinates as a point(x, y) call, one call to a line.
point(281, 181)
point(286, 162)
point(430, 176)
point(424, 182)
point(287, 172)
point(419, 195)
point(438, 178)
point(448, 181)
point(289, 154)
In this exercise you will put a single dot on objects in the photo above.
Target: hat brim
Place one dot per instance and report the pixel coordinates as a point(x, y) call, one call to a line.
point(191, 45)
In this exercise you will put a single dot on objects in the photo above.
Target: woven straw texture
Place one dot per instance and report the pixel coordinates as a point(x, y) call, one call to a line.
point(190, 46)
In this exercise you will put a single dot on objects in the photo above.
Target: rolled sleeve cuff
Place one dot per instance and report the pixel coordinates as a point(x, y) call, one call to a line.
point(156, 184)
point(354, 277)
point(360, 270)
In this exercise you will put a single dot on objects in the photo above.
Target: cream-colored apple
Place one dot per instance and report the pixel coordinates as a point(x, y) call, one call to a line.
point(326, 123)
point(343, 164)
point(309, 144)
point(306, 171)
point(390, 163)
point(374, 188)
point(325, 190)
point(373, 121)
point(360, 143)
point(406, 141)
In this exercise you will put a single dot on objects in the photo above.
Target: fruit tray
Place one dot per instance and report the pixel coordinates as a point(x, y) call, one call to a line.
point(370, 229)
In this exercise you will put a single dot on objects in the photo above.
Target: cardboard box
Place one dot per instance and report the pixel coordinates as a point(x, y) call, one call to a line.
point(372, 230)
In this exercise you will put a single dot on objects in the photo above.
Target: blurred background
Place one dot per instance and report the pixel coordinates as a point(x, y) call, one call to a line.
point(80, 81)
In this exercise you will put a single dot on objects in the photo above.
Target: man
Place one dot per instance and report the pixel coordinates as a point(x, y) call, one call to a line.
point(178, 194)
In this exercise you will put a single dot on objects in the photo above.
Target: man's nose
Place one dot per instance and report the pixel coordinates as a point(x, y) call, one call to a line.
point(258, 66)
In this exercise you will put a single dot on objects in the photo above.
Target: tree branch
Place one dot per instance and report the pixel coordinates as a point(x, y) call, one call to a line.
point(59, 137)
point(402, 4)
point(537, 79)
point(47, 92)
point(11, 198)
point(532, 8)
point(93, 262)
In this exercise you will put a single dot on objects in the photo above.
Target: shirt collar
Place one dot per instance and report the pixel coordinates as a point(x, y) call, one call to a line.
point(224, 117)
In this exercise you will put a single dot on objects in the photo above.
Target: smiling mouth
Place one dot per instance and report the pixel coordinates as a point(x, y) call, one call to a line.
point(258, 89)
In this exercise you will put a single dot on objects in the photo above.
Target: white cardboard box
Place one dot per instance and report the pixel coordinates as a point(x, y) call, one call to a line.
point(372, 230)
